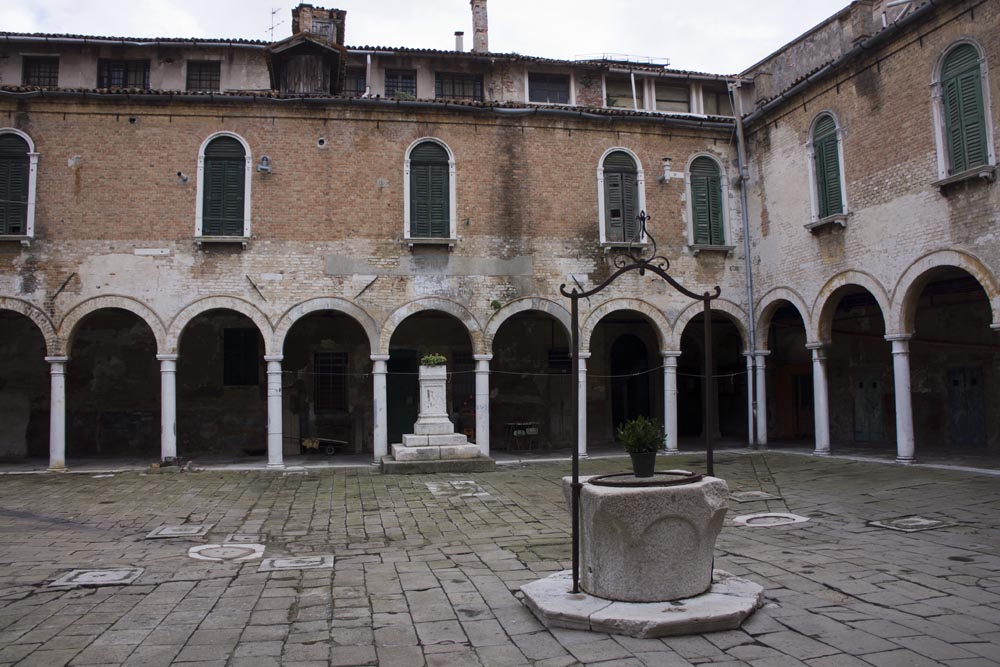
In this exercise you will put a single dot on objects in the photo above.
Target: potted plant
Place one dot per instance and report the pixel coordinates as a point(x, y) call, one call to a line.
point(642, 438)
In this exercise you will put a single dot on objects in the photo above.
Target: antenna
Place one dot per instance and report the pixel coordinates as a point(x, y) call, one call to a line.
point(273, 24)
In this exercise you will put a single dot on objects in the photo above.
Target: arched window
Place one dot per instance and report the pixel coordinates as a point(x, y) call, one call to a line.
point(620, 197)
point(707, 210)
point(828, 190)
point(430, 192)
point(18, 165)
point(223, 203)
point(964, 109)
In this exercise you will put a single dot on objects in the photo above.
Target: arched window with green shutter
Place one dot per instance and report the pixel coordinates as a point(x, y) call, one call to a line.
point(15, 170)
point(963, 108)
point(224, 187)
point(621, 198)
point(430, 210)
point(826, 167)
point(707, 219)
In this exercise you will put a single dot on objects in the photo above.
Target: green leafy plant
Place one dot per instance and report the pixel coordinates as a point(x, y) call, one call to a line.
point(433, 359)
point(495, 304)
point(641, 435)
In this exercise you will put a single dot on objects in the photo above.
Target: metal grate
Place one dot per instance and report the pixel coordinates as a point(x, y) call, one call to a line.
point(203, 75)
point(42, 72)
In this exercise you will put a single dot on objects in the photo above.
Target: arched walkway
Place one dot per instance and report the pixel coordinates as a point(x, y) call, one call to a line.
point(527, 304)
point(908, 288)
point(655, 318)
point(825, 303)
point(68, 325)
point(430, 304)
point(297, 312)
point(201, 306)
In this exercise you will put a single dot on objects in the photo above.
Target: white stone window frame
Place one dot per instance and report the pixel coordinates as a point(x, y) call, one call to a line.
point(247, 182)
point(727, 245)
point(938, 115)
point(815, 221)
point(640, 186)
point(572, 89)
point(29, 224)
point(452, 198)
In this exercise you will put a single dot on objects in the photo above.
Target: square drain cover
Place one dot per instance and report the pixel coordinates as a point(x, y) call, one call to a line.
point(245, 538)
point(115, 577)
point(750, 496)
point(186, 530)
point(910, 524)
point(295, 563)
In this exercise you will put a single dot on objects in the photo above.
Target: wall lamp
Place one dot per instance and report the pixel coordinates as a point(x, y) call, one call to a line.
point(265, 164)
point(665, 178)
point(182, 177)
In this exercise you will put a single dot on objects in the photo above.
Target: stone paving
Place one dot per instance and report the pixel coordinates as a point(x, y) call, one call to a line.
point(426, 569)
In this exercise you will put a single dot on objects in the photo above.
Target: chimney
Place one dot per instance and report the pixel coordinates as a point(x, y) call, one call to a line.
point(480, 27)
point(459, 46)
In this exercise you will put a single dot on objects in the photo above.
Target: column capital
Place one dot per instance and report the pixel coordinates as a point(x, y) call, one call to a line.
point(892, 338)
point(273, 357)
point(817, 345)
point(670, 353)
point(167, 357)
point(379, 357)
point(995, 326)
point(482, 357)
point(761, 353)
point(585, 355)
point(57, 360)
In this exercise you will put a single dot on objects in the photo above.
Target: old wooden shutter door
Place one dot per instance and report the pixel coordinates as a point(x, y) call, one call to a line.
point(716, 235)
point(630, 208)
point(953, 127)
point(700, 209)
point(420, 195)
point(233, 186)
point(438, 204)
point(973, 121)
point(706, 202)
point(430, 212)
point(964, 109)
point(613, 207)
point(224, 187)
point(831, 157)
point(14, 169)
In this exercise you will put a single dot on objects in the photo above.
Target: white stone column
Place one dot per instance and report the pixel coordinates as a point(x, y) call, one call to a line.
point(670, 397)
point(821, 406)
point(274, 432)
point(750, 392)
point(483, 402)
point(381, 416)
point(904, 404)
point(581, 438)
point(57, 413)
point(168, 406)
point(761, 377)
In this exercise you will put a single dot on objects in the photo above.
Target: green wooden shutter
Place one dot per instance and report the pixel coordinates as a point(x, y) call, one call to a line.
point(964, 109)
point(621, 198)
point(706, 203)
point(14, 171)
point(716, 232)
point(630, 208)
point(614, 205)
point(438, 204)
point(826, 161)
point(224, 188)
point(430, 210)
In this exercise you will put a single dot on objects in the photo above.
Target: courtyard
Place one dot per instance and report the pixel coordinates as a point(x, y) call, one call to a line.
point(425, 569)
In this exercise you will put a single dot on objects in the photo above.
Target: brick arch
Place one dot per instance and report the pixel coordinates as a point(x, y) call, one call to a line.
point(916, 276)
point(736, 314)
point(298, 311)
point(821, 319)
point(457, 310)
point(769, 303)
point(653, 314)
point(53, 346)
point(193, 310)
point(524, 305)
point(68, 325)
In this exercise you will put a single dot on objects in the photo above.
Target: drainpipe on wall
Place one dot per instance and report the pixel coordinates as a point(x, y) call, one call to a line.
point(744, 178)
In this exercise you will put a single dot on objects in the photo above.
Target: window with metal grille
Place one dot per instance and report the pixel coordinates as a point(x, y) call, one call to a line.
point(122, 73)
point(456, 86)
point(706, 202)
point(40, 71)
point(240, 365)
point(826, 164)
point(548, 88)
point(14, 175)
point(223, 188)
point(429, 194)
point(621, 198)
point(203, 75)
point(400, 83)
point(672, 98)
point(329, 381)
point(964, 109)
point(355, 83)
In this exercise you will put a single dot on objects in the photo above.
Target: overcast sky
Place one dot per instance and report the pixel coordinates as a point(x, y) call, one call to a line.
point(724, 36)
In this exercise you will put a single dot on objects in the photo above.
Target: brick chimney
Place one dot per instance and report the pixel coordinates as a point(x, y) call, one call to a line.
point(480, 27)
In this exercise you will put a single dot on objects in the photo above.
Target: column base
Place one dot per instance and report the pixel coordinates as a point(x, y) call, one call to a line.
point(276, 466)
point(821, 452)
point(61, 468)
point(905, 460)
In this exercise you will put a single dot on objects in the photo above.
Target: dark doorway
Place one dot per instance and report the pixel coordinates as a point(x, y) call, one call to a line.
point(629, 379)
point(402, 389)
point(24, 389)
point(789, 375)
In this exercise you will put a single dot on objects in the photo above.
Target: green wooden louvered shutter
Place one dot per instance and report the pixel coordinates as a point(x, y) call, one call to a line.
point(826, 163)
point(429, 200)
point(964, 109)
point(14, 170)
point(621, 198)
point(706, 202)
point(224, 188)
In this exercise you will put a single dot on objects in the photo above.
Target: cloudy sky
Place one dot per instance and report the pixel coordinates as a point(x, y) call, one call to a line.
point(724, 36)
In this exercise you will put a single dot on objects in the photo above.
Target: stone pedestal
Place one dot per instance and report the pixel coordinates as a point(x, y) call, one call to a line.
point(434, 440)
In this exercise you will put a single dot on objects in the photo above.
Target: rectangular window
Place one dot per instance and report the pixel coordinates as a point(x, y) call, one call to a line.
point(354, 82)
point(40, 71)
point(239, 357)
point(203, 75)
point(619, 92)
point(123, 73)
point(672, 98)
point(548, 88)
point(458, 86)
point(330, 381)
point(401, 83)
point(717, 103)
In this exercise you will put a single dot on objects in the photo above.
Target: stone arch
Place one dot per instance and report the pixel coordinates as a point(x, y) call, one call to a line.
point(737, 314)
point(821, 319)
point(53, 346)
point(453, 308)
point(769, 303)
point(656, 318)
point(298, 311)
point(525, 305)
point(193, 310)
point(917, 275)
point(69, 323)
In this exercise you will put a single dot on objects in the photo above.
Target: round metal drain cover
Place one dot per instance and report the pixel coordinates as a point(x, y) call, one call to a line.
point(224, 552)
point(768, 519)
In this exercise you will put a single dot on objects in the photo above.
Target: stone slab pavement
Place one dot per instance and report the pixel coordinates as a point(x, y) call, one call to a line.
point(427, 569)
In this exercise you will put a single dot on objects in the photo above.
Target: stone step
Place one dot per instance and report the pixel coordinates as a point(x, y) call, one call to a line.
point(391, 466)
